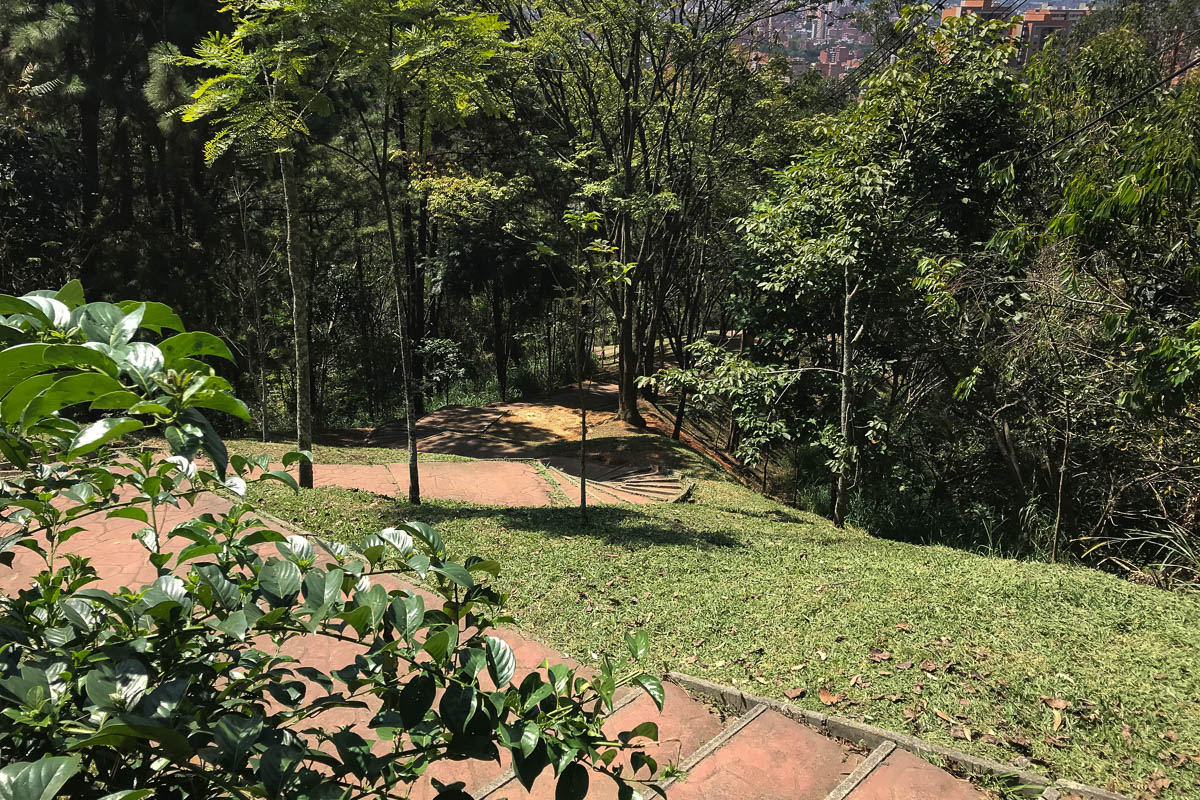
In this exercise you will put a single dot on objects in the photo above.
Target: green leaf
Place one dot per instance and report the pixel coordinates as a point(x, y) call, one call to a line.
point(637, 642)
point(123, 332)
point(224, 591)
point(142, 361)
point(21, 395)
point(21, 361)
point(441, 642)
point(101, 432)
point(426, 534)
point(53, 310)
point(156, 317)
point(209, 439)
point(70, 295)
point(454, 572)
point(78, 356)
point(235, 736)
point(128, 794)
point(68, 391)
point(279, 580)
point(195, 343)
point(36, 780)
point(528, 766)
point(653, 687)
point(457, 707)
point(407, 614)
point(416, 698)
point(501, 661)
point(16, 305)
point(220, 401)
point(97, 321)
point(572, 783)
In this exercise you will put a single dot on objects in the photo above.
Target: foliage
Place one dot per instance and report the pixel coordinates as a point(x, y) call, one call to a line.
point(730, 573)
point(190, 685)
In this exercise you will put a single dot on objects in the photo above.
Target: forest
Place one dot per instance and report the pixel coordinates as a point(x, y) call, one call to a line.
point(955, 300)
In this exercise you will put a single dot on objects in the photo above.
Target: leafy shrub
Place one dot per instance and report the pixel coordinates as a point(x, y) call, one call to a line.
point(187, 687)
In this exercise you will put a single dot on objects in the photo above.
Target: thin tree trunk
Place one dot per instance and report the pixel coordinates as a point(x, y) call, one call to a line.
point(299, 280)
point(839, 501)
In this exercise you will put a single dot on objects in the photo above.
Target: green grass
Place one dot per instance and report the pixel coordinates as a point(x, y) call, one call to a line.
point(739, 589)
point(327, 454)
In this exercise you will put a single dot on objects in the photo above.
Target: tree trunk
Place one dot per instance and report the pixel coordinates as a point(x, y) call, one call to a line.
point(499, 340)
point(627, 394)
point(299, 280)
point(840, 493)
point(679, 409)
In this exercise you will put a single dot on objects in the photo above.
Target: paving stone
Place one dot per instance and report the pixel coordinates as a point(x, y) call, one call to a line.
point(772, 758)
point(904, 776)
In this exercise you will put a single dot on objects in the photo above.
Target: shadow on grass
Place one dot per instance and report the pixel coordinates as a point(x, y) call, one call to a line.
point(616, 525)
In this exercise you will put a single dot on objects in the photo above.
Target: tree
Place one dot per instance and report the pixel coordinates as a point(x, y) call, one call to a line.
point(184, 686)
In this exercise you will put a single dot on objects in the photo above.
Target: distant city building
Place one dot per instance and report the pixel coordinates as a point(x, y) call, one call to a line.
point(1038, 24)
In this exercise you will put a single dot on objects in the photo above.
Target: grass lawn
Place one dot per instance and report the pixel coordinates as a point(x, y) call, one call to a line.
point(327, 454)
point(966, 650)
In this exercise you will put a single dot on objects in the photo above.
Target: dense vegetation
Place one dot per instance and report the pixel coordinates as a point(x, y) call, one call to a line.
point(969, 293)
point(191, 685)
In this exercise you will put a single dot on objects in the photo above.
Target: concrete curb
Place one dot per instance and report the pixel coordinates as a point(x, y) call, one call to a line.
point(1023, 782)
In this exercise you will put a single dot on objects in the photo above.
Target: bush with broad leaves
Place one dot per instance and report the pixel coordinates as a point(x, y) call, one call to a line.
point(189, 687)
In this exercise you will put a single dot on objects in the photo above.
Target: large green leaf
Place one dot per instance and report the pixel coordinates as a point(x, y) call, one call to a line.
point(572, 783)
point(156, 317)
point(21, 395)
point(123, 332)
point(70, 295)
point(68, 391)
point(78, 356)
point(653, 687)
point(457, 706)
point(416, 698)
point(98, 433)
point(221, 401)
point(36, 780)
point(235, 736)
point(500, 660)
point(97, 321)
point(53, 310)
point(194, 343)
point(17, 305)
point(425, 533)
point(454, 572)
point(210, 440)
point(143, 360)
point(280, 580)
point(21, 361)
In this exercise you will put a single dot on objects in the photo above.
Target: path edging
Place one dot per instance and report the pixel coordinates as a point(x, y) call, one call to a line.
point(1024, 782)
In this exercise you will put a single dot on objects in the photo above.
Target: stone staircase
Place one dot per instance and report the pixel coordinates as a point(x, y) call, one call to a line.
point(759, 754)
point(616, 485)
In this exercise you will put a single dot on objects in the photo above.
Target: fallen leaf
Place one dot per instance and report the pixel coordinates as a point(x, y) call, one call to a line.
point(909, 713)
point(795, 694)
point(1056, 702)
point(903, 626)
point(822, 654)
point(944, 717)
point(1057, 719)
point(1019, 742)
point(856, 680)
point(829, 698)
point(905, 665)
point(1170, 736)
point(883, 673)
point(1127, 734)
point(880, 655)
point(960, 732)
point(928, 666)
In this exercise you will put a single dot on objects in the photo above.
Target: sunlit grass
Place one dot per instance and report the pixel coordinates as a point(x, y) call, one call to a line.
point(738, 589)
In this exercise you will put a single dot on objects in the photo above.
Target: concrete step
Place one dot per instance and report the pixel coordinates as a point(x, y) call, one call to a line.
point(683, 727)
point(769, 757)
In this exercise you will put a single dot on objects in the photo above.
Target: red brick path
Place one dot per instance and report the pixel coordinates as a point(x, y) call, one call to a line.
point(760, 755)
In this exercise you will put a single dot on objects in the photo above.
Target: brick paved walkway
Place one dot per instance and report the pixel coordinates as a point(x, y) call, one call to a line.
point(758, 755)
